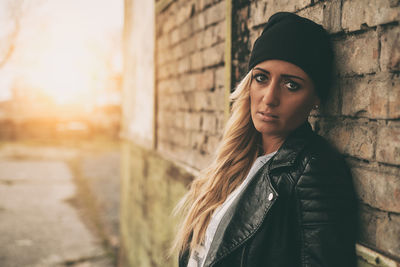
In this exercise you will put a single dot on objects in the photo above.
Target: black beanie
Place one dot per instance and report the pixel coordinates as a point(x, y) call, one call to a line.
point(300, 41)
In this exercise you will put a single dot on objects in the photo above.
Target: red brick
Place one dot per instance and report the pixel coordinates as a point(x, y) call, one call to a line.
point(220, 122)
point(204, 3)
point(354, 138)
point(214, 34)
point(179, 137)
point(197, 159)
point(192, 121)
point(394, 97)
point(357, 54)
point(260, 11)
point(187, 82)
point(388, 144)
point(219, 78)
point(388, 234)
point(176, 52)
point(200, 40)
point(164, 71)
point(212, 144)
point(167, 25)
point(215, 13)
point(197, 139)
point(199, 22)
point(366, 97)
point(187, 100)
point(378, 189)
point(219, 96)
point(174, 35)
point(164, 87)
point(183, 65)
point(214, 55)
point(178, 119)
point(174, 86)
point(368, 219)
point(185, 30)
point(189, 45)
point(209, 123)
point(205, 80)
point(357, 13)
point(390, 49)
point(196, 61)
point(182, 14)
point(163, 42)
point(325, 13)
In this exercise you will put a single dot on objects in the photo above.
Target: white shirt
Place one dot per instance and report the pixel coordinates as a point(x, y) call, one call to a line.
point(198, 255)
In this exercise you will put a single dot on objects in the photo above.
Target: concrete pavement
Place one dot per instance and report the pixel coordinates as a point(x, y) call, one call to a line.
point(39, 226)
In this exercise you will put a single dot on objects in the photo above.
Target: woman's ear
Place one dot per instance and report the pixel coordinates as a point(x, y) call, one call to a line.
point(317, 103)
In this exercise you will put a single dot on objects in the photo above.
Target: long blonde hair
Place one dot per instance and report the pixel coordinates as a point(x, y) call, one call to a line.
point(238, 149)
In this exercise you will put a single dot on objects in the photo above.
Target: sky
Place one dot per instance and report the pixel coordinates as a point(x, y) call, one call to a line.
point(66, 48)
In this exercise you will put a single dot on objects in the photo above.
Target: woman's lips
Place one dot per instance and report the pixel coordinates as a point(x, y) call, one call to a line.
point(265, 116)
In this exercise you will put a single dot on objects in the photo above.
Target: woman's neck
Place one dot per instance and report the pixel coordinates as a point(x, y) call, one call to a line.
point(272, 143)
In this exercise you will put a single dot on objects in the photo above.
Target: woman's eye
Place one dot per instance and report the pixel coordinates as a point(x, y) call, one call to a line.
point(260, 78)
point(292, 86)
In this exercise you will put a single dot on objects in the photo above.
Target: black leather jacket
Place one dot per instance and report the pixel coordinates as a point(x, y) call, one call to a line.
point(298, 210)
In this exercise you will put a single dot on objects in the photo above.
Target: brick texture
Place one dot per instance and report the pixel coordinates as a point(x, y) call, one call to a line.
point(190, 50)
point(361, 116)
point(357, 14)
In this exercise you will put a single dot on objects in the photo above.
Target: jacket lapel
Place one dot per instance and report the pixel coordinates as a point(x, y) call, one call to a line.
point(243, 217)
point(293, 145)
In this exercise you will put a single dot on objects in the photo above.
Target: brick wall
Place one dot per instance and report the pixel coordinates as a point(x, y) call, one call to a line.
point(190, 48)
point(189, 116)
point(362, 116)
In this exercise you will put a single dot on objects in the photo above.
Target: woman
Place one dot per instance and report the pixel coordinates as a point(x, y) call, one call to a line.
point(277, 194)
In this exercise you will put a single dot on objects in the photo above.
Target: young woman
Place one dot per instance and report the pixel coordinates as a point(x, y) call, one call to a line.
point(277, 194)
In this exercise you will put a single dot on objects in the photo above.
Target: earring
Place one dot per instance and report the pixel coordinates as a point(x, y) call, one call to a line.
point(316, 107)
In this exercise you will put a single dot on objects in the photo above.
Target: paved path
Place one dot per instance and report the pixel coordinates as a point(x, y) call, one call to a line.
point(38, 225)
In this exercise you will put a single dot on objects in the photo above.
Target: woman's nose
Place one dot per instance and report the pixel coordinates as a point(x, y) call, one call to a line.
point(271, 94)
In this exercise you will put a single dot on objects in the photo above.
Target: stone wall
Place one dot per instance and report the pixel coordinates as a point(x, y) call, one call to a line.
point(362, 116)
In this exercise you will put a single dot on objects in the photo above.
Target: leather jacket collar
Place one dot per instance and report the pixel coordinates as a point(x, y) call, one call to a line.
point(290, 149)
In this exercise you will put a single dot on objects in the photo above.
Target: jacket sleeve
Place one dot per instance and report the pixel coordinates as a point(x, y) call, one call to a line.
point(326, 214)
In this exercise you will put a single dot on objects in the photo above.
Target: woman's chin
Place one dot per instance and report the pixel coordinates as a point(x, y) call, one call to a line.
point(268, 129)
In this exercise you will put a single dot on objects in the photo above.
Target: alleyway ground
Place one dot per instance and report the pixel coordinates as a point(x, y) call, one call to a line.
point(59, 204)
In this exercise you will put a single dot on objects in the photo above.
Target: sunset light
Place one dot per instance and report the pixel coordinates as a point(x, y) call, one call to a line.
point(65, 50)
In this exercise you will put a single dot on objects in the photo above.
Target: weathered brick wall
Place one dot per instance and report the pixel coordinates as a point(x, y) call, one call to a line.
point(190, 44)
point(362, 118)
point(189, 114)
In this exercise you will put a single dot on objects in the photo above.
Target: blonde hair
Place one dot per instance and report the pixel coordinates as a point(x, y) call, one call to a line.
point(238, 149)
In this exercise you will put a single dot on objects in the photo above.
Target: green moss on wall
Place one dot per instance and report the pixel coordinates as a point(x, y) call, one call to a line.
point(151, 187)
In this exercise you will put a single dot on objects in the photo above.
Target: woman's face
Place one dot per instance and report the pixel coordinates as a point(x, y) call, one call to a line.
point(281, 97)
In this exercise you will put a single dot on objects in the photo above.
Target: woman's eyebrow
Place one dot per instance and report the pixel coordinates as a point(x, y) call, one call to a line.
point(292, 76)
point(260, 69)
point(283, 75)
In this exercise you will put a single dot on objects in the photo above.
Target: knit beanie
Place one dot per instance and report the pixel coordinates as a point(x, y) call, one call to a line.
point(300, 41)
